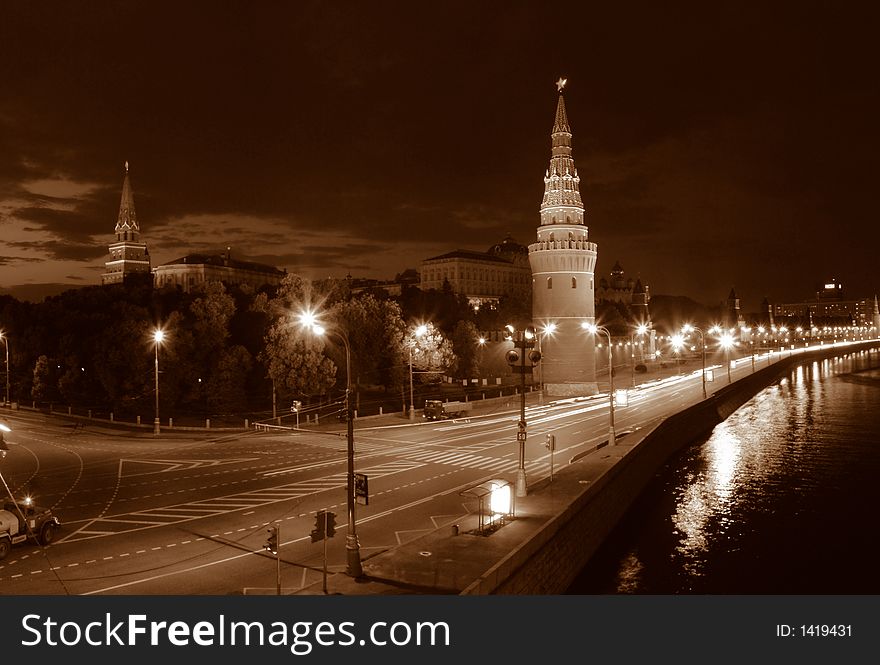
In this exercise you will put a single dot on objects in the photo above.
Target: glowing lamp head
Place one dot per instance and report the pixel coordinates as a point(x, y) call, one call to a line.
point(158, 336)
point(677, 341)
point(726, 341)
point(28, 501)
point(642, 329)
point(591, 328)
point(308, 319)
point(4, 428)
point(686, 328)
point(318, 329)
point(481, 341)
point(550, 328)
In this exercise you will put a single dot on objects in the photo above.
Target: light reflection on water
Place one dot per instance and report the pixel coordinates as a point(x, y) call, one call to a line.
point(780, 498)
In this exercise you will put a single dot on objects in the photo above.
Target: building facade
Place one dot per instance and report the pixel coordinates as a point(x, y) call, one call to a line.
point(563, 263)
point(193, 269)
point(129, 257)
point(483, 277)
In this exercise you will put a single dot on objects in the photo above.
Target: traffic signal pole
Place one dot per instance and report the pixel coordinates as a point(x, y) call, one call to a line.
point(326, 517)
point(278, 561)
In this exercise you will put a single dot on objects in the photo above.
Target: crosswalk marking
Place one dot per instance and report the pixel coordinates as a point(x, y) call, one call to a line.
point(166, 515)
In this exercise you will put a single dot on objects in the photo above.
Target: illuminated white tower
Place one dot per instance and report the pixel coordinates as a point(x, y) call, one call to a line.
point(128, 255)
point(563, 262)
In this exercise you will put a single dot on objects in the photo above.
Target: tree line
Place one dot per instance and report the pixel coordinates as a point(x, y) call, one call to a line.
point(233, 349)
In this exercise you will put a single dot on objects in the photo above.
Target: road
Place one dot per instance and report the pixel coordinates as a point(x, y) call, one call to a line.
point(173, 514)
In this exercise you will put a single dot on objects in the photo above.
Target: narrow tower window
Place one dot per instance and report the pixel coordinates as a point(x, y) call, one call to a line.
point(574, 282)
point(549, 282)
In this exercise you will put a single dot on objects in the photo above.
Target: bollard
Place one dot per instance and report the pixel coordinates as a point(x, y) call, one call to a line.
point(208, 423)
point(171, 422)
point(380, 410)
point(455, 529)
point(245, 423)
point(111, 416)
point(68, 410)
point(90, 414)
point(138, 420)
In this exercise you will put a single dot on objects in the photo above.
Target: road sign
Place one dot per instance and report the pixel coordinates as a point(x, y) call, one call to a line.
point(362, 489)
point(520, 436)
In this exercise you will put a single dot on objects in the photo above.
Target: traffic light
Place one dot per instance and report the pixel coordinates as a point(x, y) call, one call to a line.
point(331, 524)
point(272, 542)
point(534, 356)
point(318, 532)
point(550, 443)
point(512, 357)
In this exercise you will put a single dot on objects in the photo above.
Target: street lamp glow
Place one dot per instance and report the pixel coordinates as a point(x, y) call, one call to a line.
point(421, 330)
point(550, 328)
point(677, 341)
point(642, 329)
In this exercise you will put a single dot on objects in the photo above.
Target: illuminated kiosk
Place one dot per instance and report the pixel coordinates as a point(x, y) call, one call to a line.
point(496, 504)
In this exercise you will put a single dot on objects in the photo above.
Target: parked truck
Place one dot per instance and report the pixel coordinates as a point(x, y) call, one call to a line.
point(22, 519)
point(436, 409)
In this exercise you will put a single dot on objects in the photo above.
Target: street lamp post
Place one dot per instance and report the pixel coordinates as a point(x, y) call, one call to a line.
point(352, 546)
point(5, 339)
point(421, 330)
point(158, 336)
point(640, 330)
point(726, 343)
point(594, 329)
point(689, 328)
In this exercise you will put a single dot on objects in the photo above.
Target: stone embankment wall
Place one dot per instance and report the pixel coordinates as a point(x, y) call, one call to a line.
point(549, 561)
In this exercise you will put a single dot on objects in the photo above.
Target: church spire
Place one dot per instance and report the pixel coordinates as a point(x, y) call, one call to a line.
point(126, 223)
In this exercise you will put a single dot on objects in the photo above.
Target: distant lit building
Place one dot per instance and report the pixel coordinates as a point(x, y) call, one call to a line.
point(194, 269)
point(129, 257)
point(829, 307)
point(482, 277)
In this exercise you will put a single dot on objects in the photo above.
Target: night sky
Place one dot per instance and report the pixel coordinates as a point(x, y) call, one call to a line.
point(718, 145)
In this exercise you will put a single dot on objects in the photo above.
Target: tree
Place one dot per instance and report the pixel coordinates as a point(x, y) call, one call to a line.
point(465, 338)
point(293, 356)
point(226, 386)
point(43, 387)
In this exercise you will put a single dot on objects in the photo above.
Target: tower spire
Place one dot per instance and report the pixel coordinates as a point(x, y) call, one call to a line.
point(562, 198)
point(126, 222)
point(561, 122)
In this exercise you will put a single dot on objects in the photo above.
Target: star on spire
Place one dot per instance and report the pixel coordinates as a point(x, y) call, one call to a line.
point(560, 84)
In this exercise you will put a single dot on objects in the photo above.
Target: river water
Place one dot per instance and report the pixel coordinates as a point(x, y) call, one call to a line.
point(781, 498)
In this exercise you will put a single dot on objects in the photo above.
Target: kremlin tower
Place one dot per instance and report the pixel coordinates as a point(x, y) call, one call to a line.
point(128, 255)
point(563, 262)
